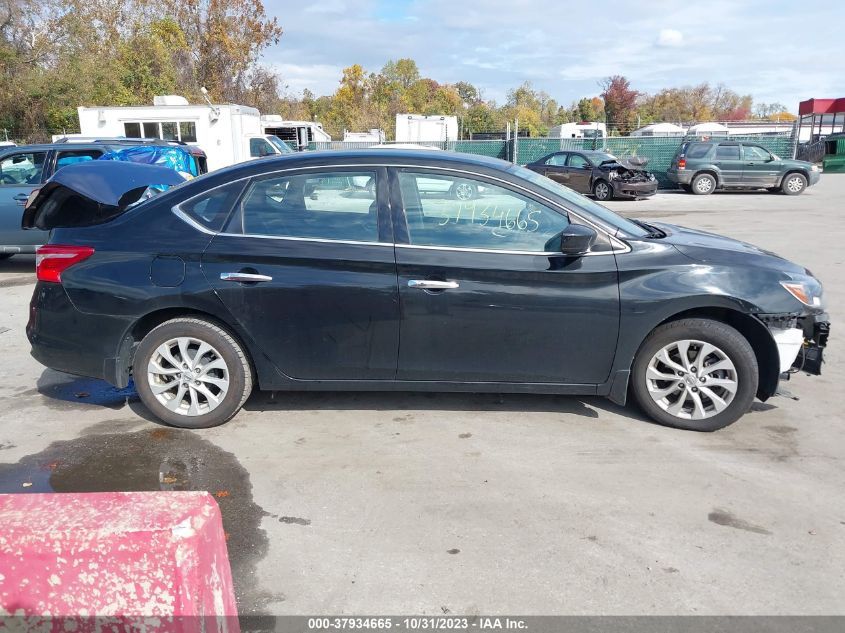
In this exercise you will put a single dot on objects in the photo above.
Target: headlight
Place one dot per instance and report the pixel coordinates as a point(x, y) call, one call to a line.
point(803, 293)
point(814, 168)
point(612, 175)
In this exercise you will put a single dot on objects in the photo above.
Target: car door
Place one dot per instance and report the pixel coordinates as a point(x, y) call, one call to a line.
point(482, 298)
point(727, 159)
point(555, 168)
point(759, 168)
point(306, 267)
point(580, 173)
point(20, 173)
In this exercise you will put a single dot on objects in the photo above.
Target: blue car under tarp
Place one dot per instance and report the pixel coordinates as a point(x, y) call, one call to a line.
point(170, 156)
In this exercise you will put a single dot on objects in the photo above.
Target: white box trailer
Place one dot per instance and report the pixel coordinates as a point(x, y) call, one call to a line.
point(228, 134)
point(297, 134)
point(584, 129)
point(419, 128)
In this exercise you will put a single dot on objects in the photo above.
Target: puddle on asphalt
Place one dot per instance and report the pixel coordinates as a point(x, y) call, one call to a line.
point(157, 459)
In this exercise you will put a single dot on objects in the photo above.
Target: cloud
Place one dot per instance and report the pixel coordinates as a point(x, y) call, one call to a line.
point(557, 48)
point(670, 38)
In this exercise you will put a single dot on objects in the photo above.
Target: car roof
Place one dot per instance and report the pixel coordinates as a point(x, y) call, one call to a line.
point(72, 146)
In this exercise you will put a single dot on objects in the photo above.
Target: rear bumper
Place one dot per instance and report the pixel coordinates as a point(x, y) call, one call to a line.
point(622, 189)
point(679, 177)
point(67, 340)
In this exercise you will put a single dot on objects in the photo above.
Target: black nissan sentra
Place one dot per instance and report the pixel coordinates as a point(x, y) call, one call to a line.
point(373, 270)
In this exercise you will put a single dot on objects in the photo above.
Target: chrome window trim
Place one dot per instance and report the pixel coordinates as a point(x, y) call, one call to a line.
point(619, 246)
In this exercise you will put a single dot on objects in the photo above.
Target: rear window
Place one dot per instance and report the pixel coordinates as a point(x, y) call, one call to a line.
point(211, 209)
point(698, 150)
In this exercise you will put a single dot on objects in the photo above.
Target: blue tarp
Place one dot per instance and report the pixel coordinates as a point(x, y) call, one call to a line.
point(170, 156)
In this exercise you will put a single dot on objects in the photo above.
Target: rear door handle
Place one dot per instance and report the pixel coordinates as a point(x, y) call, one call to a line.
point(245, 278)
point(431, 284)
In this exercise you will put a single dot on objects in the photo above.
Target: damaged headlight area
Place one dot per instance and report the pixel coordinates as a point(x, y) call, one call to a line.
point(800, 341)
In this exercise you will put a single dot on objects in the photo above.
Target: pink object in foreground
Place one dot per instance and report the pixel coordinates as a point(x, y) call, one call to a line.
point(77, 562)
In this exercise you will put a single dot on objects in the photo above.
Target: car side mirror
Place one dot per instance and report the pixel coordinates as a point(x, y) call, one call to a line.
point(574, 241)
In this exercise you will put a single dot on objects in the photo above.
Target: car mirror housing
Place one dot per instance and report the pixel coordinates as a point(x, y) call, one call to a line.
point(574, 241)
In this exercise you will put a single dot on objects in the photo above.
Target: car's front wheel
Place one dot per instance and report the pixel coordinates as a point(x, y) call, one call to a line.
point(192, 373)
point(695, 374)
point(602, 190)
point(794, 184)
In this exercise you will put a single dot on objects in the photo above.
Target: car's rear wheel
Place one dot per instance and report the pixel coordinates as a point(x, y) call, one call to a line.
point(695, 374)
point(703, 184)
point(192, 373)
point(793, 184)
point(602, 190)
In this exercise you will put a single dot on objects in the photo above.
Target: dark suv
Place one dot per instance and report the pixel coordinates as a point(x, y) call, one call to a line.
point(701, 167)
point(24, 168)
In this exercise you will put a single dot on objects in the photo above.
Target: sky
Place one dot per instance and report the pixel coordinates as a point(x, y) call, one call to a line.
point(777, 51)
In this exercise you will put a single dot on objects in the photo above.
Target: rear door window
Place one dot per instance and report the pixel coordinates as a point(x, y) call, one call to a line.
point(335, 206)
point(556, 160)
point(728, 152)
point(71, 157)
point(22, 168)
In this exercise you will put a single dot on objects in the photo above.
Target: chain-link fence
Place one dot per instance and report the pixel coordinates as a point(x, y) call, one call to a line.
point(659, 150)
point(26, 136)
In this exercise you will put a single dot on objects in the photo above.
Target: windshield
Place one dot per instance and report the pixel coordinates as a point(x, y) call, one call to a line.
point(601, 213)
point(280, 145)
point(598, 159)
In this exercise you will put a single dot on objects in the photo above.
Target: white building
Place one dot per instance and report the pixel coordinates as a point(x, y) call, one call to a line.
point(660, 129)
point(708, 129)
point(419, 128)
point(583, 129)
point(227, 133)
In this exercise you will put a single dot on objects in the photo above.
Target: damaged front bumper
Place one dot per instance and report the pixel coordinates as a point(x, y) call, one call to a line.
point(800, 341)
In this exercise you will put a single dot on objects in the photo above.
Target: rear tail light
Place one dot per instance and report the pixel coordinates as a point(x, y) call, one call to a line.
point(682, 163)
point(52, 261)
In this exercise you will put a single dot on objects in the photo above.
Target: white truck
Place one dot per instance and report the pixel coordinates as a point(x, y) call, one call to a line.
point(419, 128)
point(583, 129)
point(227, 133)
point(297, 134)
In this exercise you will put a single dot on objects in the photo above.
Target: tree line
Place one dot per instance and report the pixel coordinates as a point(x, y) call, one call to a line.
point(56, 55)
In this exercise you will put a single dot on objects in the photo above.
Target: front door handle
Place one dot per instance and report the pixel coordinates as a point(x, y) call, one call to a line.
point(21, 199)
point(431, 284)
point(245, 278)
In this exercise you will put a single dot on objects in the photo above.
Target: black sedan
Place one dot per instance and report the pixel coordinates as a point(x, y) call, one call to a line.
point(598, 173)
point(284, 274)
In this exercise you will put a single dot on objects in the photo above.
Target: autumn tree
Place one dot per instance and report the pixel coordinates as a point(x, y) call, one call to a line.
point(620, 102)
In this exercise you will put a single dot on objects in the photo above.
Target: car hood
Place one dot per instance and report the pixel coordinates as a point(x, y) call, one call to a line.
point(92, 192)
point(711, 248)
point(634, 163)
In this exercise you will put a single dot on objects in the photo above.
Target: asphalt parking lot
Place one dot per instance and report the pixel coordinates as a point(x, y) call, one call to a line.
point(385, 503)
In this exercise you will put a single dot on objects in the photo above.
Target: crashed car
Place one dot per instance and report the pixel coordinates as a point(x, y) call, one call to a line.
point(598, 173)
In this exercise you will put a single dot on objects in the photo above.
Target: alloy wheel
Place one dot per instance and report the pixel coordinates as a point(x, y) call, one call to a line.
point(704, 185)
point(795, 184)
point(463, 191)
point(691, 379)
point(188, 376)
point(602, 191)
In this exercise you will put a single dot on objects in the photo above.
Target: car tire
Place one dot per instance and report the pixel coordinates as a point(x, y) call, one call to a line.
point(463, 191)
point(793, 183)
point(704, 404)
point(205, 397)
point(703, 184)
point(602, 190)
